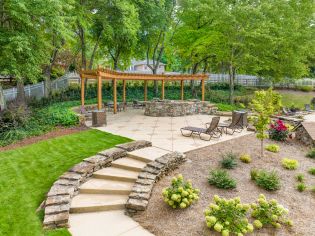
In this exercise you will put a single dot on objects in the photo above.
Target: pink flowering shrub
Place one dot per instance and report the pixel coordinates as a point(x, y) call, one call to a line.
point(278, 131)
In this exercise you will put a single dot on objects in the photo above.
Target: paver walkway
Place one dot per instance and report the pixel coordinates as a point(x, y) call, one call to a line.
point(98, 209)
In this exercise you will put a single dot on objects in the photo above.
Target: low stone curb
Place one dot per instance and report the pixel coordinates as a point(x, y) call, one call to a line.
point(57, 204)
point(150, 174)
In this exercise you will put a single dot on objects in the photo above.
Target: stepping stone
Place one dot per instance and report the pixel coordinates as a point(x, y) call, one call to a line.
point(113, 173)
point(97, 202)
point(147, 154)
point(128, 163)
point(101, 186)
point(109, 223)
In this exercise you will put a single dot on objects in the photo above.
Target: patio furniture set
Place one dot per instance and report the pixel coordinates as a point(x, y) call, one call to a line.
point(215, 129)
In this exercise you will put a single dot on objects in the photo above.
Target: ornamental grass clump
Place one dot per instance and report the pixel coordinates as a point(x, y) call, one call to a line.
point(268, 180)
point(301, 187)
point(311, 153)
point(245, 158)
point(221, 179)
point(228, 216)
point(180, 193)
point(290, 164)
point(311, 171)
point(273, 148)
point(300, 178)
point(269, 213)
point(278, 131)
point(229, 161)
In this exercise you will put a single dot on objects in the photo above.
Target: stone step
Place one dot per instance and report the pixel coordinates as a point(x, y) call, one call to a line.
point(106, 186)
point(129, 163)
point(147, 154)
point(97, 202)
point(109, 223)
point(113, 173)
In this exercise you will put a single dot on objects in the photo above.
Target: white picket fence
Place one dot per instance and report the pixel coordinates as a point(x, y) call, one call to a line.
point(38, 90)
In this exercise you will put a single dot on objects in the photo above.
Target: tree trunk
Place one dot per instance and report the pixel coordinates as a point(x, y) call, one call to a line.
point(192, 82)
point(94, 51)
point(20, 98)
point(155, 83)
point(47, 84)
point(116, 64)
point(231, 80)
point(2, 100)
point(262, 148)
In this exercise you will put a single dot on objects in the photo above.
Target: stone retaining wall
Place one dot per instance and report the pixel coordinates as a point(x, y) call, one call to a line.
point(162, 108)
point(57, 204)
point(151, 173)
point(303, 135)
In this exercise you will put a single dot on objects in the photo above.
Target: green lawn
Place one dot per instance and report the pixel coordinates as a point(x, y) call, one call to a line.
point(27, 174)
point(296, 98)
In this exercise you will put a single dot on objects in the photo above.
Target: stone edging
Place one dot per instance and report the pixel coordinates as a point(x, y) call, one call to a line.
point(151, 173)
point(58, 202)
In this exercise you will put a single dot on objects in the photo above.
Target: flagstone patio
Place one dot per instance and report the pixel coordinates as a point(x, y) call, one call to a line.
point(163, 132)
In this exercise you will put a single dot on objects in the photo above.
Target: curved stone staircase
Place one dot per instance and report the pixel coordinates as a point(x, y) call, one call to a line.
point(99, 207)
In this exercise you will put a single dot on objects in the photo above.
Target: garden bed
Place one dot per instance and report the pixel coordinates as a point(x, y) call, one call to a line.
point(160, 219)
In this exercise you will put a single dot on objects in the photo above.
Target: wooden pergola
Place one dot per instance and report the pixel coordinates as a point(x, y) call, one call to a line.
point(101, 74)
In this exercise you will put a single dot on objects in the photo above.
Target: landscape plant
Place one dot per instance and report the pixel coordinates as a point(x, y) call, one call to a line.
point(272, 148)
point(264, 104)
point(300, 178)
point(311, 153)
point(269, 213)
point(278, 131)
point(228, 216)
point(180, 193)
point(290, 164)
point(246, 158)
point(268, 180)
point(221, 179)
point(301, 187)
point(229, 160)
point(311, 171)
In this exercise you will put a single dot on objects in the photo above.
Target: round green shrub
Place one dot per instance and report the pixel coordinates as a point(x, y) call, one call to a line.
point(311, 153)
point(228, 216)
point(269, 213)
point(229, 161)
point(246, 158)
point(272, 148)
point(180, 193)
point(290, 164)
point(300, 187)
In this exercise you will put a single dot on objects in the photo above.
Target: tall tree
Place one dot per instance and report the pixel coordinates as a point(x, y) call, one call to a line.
point(157, 18)
point(257, 37)
point(24, 26)
point(122, 25)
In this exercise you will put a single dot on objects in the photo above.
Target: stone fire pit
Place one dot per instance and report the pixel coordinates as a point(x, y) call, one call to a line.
point(162, 108)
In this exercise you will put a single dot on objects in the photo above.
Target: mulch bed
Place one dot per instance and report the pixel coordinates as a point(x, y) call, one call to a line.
point(160, 219)
point(52, 134)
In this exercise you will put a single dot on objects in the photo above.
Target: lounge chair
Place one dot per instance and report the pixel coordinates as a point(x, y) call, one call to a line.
point(236, 125)
point(212, 131)
point(288, 112)
point(308, 108)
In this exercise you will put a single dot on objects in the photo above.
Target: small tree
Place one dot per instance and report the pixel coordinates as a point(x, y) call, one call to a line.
point(264, 104)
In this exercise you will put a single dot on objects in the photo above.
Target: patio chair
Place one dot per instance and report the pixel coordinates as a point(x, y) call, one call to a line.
point(236, 125)
point(288, 112)
point(212, 131)
point(308, 108)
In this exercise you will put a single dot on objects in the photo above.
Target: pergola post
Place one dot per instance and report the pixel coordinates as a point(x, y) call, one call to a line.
point(163, 83)
point(99, 91)
point(82, 91)
point(115, 95)
point(202, 89)
point(182, 90)
point(145, 90)
point(124, 94)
